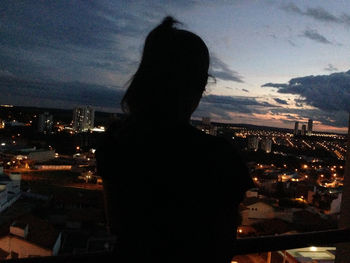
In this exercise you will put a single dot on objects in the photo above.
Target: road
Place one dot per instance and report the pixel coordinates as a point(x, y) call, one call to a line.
point(84, 186)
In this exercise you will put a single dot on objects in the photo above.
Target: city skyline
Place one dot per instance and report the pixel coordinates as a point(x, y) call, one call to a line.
point(275, 62)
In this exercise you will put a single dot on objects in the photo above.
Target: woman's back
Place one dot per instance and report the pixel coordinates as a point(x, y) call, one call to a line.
point(174, 192)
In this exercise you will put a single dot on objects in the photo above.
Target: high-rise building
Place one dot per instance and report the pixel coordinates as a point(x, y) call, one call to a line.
point(303, 130)
point(296, 128)
point(83, 119)
point(253, 143)
point(266, 144)
point(309, 127)
point(45, 122)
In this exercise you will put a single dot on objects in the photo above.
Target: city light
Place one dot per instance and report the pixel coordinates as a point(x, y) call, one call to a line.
point(313, 248)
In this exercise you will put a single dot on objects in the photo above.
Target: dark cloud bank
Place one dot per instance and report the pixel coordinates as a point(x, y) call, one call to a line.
point(224, 106)
point(53, 94)
point(221, 70)
point(83, 40)
point(329, 93)
point(71, 94)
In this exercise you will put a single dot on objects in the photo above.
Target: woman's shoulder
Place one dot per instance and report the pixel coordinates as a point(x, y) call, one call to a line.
point(227, 160)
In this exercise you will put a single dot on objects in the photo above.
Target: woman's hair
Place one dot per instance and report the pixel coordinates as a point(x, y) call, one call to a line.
point(171, 76)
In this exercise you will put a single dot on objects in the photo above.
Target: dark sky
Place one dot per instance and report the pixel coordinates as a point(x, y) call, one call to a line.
point(275, 61)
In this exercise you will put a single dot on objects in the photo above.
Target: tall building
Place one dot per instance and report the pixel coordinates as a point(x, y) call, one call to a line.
point(303, 130)
point(309, 127)
point(45, 122)
point(266, 144)
point(253, 143)
point(296, 128)
point(83, 119)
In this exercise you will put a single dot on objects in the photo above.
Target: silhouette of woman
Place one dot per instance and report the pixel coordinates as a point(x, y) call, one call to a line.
point(171, 191)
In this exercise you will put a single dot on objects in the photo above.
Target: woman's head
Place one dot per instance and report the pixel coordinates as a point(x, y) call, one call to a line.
point(171, 76)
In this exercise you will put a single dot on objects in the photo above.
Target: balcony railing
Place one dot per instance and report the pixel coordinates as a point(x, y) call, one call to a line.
point(244, 246)
point(286, 241)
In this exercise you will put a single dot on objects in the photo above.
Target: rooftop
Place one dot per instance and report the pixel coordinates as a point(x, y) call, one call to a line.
point(40, 232)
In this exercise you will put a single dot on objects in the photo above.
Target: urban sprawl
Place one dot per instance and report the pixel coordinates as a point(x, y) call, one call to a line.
point(51, 200)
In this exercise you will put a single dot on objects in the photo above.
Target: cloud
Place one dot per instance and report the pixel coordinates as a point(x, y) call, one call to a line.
point(87, 41)
point(335, 118)
point(330, 67)
point(221, 70)
point(314, 35)
point(280, 101)
point(240, 109)
point(321, 14)
point(224, 107)
point(275, 85)
point(317, 13)
point(300, 102)
point(291, 43)
point(58, 94)
point(326, 92)
point(62, 39)
point(292, 8)
point(234, 100)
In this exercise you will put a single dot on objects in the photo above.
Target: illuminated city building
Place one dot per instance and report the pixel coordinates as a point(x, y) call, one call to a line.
point(45, 122)
point(253, 143)
point(266, 144)
point(83, 119)
point(309, 127)
point(303, 130)
point(296, 128)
